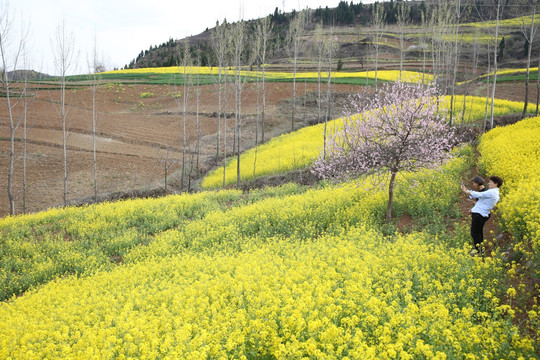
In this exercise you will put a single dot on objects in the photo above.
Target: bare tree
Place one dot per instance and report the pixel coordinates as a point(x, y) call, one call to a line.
point(495, 64)
point(439, 26)
point(64, 57)
point(433, 21)
point(197, 105)
point(238, 49)
point(26, 100)
point(529, 33)
point(488, 51)
point(186, 63)
point(257, 50)
point(264, 28)
point(496, 9)
point(167, 163)
point(331, 47)
point(538, 87)
point(319, 49)
point(472, 75)
point(95, 67)
point(296, 30)
point(225, 99)
point(219, 45)
point(459, 11)
point(378, 18)
point(423, 45)
point(403, 17)
point(10, 57)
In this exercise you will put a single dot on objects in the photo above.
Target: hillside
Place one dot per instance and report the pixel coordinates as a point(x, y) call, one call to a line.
point(353, 25)
point(30, 75)
point(345, 17)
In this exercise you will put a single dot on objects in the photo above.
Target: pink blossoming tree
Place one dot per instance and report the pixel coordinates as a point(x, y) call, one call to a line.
point(402, 128)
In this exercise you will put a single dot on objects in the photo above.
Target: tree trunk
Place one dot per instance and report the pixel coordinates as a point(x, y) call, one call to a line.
point(424, 28)
point(403, 18)
point(329, 82)
point(487, 91)
point(184, 136)
point(266, 29)
point(11, 150)
point(263, 100)
point(456, 60)
point(94, 121)
point(219, 113)
point(225, 137)
point(64, 135)
point(379, 18)
point(239, 129)
point(390, 196)
point(529, 52)
point(473, 75)
point(294, 93)
point(257, 119)
point(6, 86)
point(238, 53)
point(166, 174)
point(25, 137)
point(495, 63)
point(538, 88)
point(198, 126)
point(187, 79)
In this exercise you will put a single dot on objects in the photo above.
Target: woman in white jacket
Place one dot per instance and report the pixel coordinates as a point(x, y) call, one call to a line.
point(481, 210)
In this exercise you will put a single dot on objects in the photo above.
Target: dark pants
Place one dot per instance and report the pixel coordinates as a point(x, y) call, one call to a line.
point(477, 229)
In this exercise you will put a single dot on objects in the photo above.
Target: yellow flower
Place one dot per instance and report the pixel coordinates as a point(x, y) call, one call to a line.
point(511, 292)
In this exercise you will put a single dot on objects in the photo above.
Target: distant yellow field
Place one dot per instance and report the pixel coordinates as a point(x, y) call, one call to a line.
point(385, 75)
point(515, 22)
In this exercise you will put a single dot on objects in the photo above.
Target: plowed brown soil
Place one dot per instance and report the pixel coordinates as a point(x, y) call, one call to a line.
point(136, 136)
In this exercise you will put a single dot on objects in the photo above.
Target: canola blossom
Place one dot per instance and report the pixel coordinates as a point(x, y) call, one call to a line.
point(37, 248)
point(383, 75)
point(502, 72)
point(293, 273)
point(514, 22)
point(299, 149)
point(356, 296)
point(513, 152)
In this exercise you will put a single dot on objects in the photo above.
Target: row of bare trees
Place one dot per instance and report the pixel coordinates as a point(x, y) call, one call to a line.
point(11, 51)
point(244, 45)
point(14, 56)
point(441, 24)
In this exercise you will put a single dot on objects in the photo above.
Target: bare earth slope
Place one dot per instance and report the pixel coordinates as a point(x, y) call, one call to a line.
point(139, 131)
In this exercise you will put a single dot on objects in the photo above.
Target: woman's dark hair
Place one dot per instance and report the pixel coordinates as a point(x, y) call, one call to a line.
point(497, 180)
point(478, 180)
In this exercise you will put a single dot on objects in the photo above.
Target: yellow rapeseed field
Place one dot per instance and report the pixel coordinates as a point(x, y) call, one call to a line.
point(384, 75)
point(355, 296)
point(298, 149)
point(513, 152)
point(293, 273)
point(514, 22)
point(503, 72)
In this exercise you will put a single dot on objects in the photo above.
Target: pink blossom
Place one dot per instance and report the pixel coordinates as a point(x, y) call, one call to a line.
point(402, 128)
